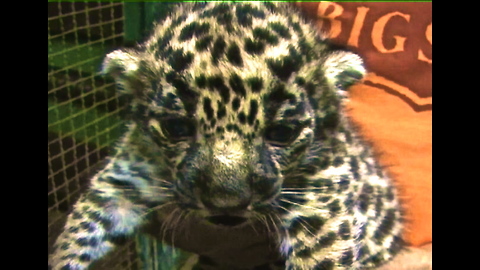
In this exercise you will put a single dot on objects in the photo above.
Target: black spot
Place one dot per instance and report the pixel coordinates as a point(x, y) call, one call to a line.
point(265, 35)
point(163, 41)
point(363, 201)
point(221, 110)
point(363, 252)
point(331, 120)
point(193, 29)
point(296, 26)
point(201, 81)
point(90, 227)
point(236, 104)
point(242, 117)
point(234, 55)
point(216, 82)
point(207, 108)
point(69, 256)
point(236, 83)
point(66, 267)
point(386, 226)
point(82, 241)
point(324, 199)
point(390, 195)
point(354, 167)
point(223, 14)
point(304, 253)
point(73, 229)
point(203, 43)
point(179, 60)
point(347, 258)
point(306, 49)
point(179, 20)
point(105, 222)
point(313, 224)
point(285, 66)
point(76, 215)
point(215, 11)
point(397, 245)
point(65, 246)
point(374, 259)
point(344, 230)
point(327, 240)
point(220, 130)
point(280, 29)
point(378, 206)
point(255, 83)
point(300, 81)
point(270, 6)
point(338, 161)
point(119, 183)
point(234, 127)
point(85, 257)
point(243, 15)
point(326, 264)
point(252, 114)
point(364, 198)
point(187, 95)
point(218, 49)
point(254, 47)
point(334, 207)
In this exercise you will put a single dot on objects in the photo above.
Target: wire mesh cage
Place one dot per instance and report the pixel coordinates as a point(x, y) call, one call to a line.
point(86, 116)
point(84, 112)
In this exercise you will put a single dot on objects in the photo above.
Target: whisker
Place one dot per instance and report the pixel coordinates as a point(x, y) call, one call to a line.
point(302, 221)
point(295, 192)
point(175, 225)
point(277, 232)
point(166, 224)
point(309, 188)
point(304, 206)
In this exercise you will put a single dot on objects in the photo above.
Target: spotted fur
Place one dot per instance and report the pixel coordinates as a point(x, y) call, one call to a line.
point(237, 120)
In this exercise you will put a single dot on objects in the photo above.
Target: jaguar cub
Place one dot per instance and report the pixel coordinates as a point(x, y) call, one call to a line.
point(239, 149)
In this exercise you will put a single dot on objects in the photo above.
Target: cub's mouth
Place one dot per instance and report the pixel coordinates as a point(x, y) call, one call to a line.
point(226, 220)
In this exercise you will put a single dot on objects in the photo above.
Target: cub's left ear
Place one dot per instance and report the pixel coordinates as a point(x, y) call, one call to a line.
point(123, 67)
point(343, 69)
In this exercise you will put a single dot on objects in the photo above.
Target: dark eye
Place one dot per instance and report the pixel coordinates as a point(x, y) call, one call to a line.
point(281, 135)
point(178, 129)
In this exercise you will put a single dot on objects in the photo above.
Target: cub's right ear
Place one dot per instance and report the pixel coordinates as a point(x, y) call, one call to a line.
point(123, 67)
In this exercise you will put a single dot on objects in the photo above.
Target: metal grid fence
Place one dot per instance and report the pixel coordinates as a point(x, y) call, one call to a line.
point(84, 113)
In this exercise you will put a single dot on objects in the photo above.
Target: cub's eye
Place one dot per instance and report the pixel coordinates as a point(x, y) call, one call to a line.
point(281, 135)
point(178, 129)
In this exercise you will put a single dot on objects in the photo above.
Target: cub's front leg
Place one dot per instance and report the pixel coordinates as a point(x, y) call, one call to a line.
point(103, 217)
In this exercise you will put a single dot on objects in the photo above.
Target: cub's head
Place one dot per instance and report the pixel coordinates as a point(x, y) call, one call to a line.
point(235, 112)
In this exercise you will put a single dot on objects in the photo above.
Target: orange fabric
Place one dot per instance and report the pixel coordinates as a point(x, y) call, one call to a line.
point(393, 106)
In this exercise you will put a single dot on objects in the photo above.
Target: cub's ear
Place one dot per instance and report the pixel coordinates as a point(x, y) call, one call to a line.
point(343, 69)
point(123, 67)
